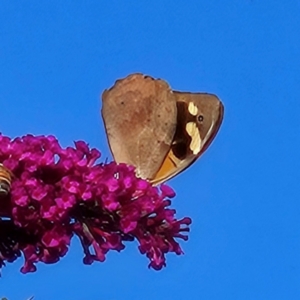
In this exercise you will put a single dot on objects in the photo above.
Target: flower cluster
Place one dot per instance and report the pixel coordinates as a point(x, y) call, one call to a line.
point(57, 193)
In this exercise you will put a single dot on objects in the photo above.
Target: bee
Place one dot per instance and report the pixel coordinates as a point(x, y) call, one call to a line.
point(5, 180)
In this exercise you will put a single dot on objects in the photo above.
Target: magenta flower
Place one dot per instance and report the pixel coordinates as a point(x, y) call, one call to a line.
point(57, 193)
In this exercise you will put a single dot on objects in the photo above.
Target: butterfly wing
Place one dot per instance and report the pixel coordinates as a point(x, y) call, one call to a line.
point(140, 117)
point(199, 117)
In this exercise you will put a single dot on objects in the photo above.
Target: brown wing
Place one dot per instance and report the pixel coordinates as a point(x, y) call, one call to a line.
point(140, 115)
point(199, 117)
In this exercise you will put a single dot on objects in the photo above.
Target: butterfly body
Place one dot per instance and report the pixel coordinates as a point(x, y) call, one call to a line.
point(159, 131)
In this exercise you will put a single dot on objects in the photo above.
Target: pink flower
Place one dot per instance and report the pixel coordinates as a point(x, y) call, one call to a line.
point(57, 193)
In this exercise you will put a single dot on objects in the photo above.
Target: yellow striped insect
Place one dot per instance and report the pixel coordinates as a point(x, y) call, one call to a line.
point(5, 180)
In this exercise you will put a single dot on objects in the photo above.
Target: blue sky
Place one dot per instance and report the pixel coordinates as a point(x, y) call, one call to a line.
point(57, 57)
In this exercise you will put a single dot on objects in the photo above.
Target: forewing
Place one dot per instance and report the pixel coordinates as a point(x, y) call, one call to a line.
point(192, 137)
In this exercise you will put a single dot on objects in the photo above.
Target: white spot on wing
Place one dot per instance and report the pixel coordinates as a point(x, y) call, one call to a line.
point(193, 132)
point(193, 110)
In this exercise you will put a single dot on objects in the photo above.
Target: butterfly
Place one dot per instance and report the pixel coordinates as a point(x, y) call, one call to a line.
point(159, 131)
